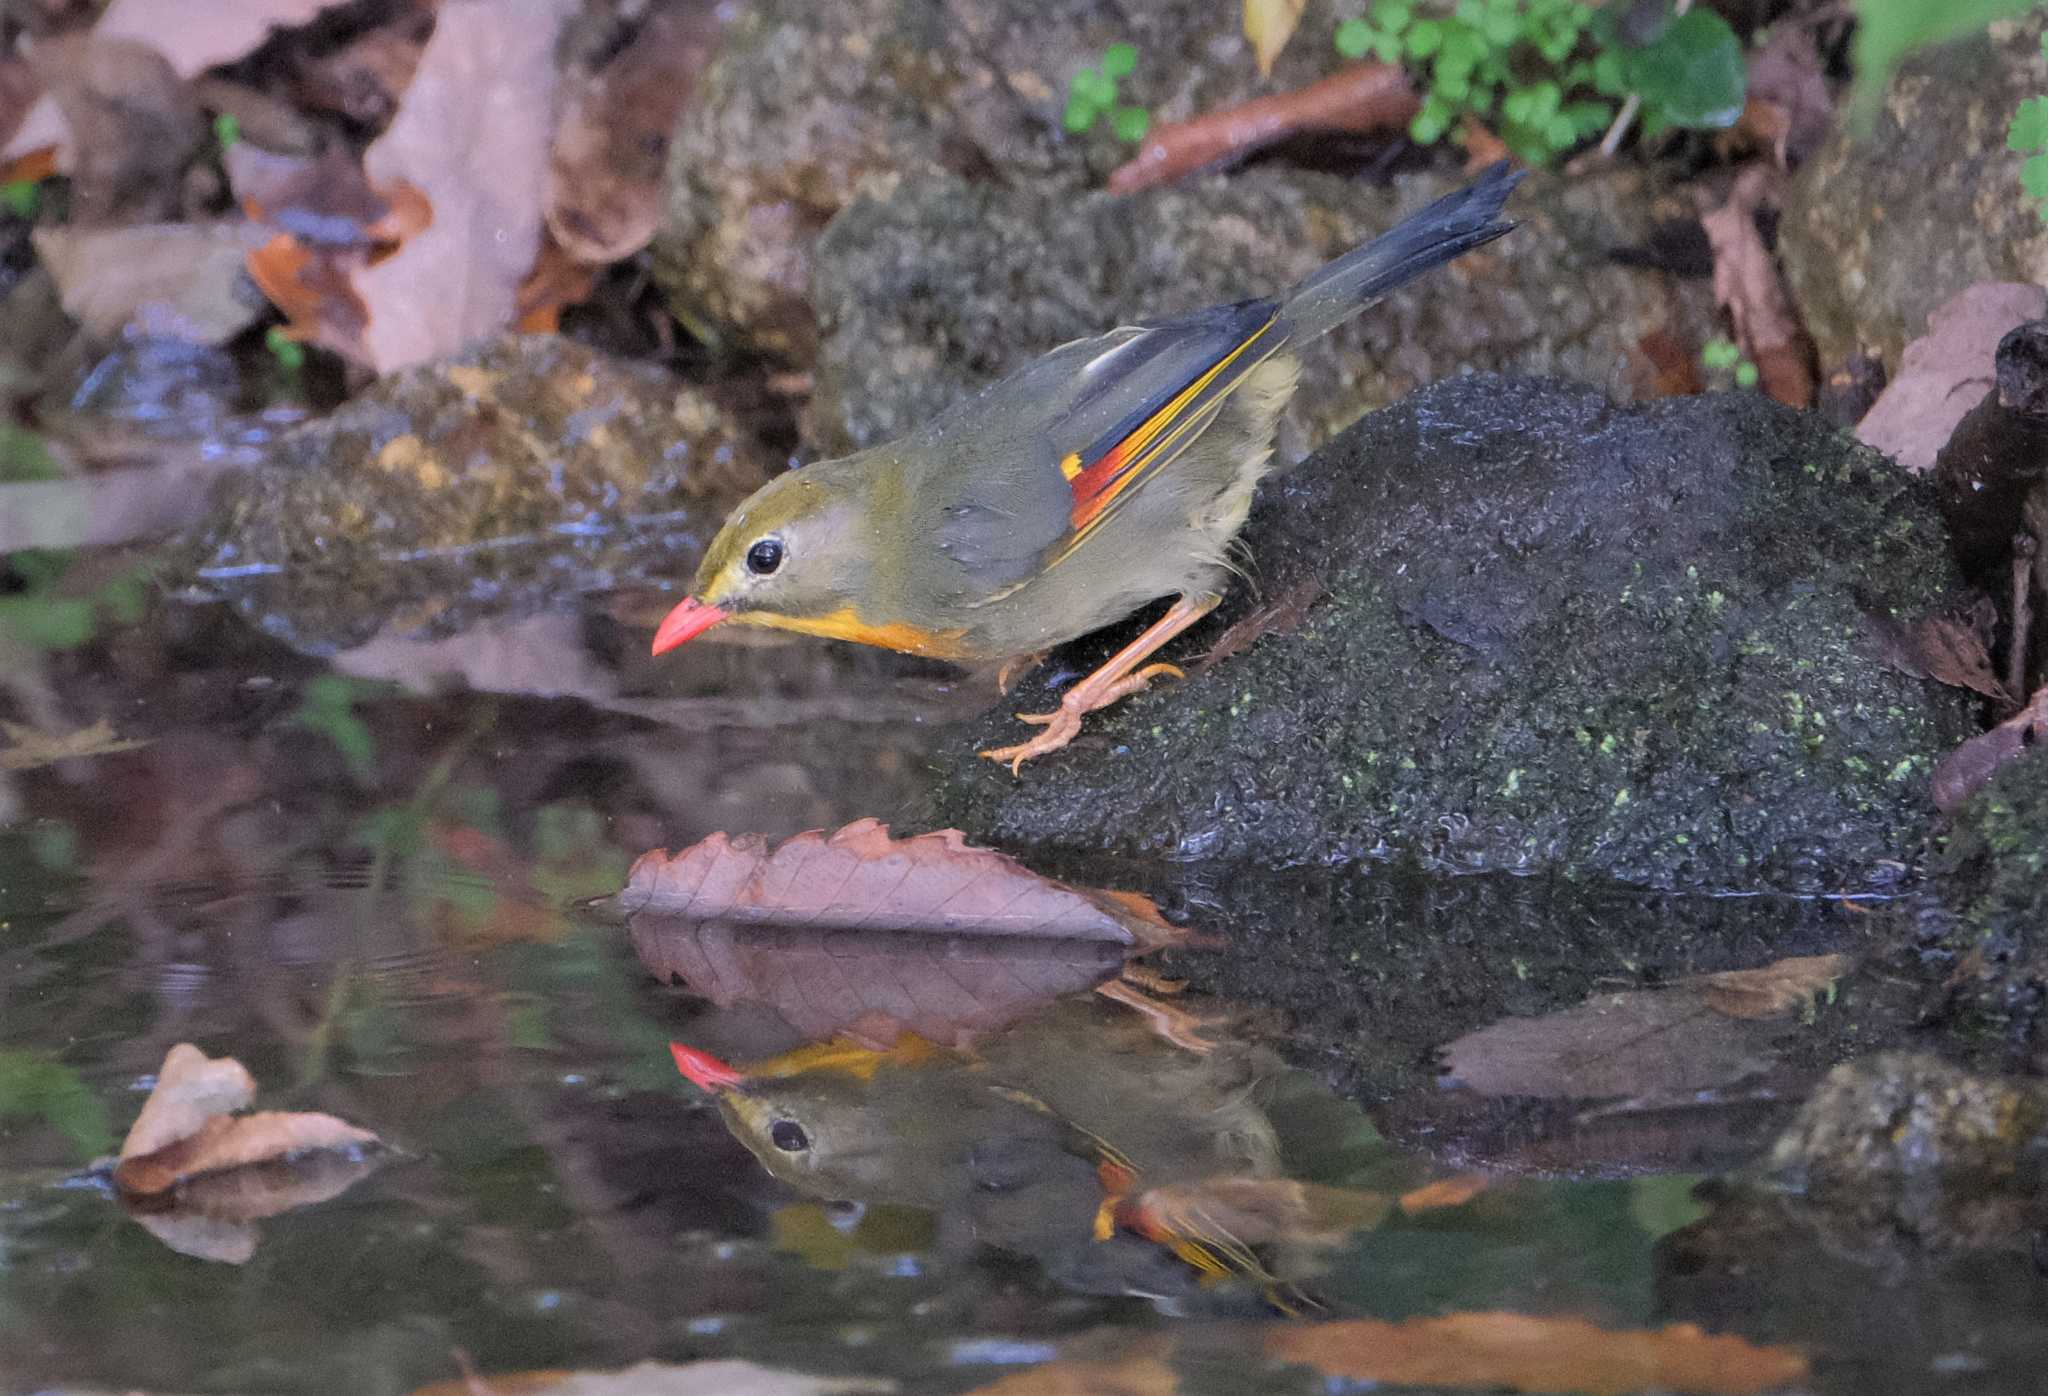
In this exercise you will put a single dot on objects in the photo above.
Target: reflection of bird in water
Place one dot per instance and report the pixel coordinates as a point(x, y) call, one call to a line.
point(1037, 1144)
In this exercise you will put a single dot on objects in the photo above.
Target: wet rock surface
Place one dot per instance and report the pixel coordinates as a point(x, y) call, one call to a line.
point(506, 481)
point(1881, 230)
point(1624, 642)
point(806, 101)
point(1991, 861)
point(940, 286)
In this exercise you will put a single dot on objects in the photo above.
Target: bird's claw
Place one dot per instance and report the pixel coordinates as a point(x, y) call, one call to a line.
point(1060, 728)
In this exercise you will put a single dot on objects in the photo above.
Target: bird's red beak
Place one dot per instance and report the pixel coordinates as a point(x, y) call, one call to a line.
point(705, 1071)
point(686, 622)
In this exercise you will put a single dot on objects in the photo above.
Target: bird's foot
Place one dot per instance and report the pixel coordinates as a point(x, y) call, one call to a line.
point(1064, 723)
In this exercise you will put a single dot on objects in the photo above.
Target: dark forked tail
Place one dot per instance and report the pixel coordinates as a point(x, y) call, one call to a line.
point(1448, 228)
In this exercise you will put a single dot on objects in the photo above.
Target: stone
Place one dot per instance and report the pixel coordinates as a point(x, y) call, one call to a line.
point(1635, 643)
point(937, 287)
point(807, 101)
point(1880, 230)
point(500, 483)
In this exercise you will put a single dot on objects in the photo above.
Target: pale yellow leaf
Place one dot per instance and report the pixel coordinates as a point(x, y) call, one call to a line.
point(1269, 24)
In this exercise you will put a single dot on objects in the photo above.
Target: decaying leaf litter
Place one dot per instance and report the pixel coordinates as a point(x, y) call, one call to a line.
point(424, 175)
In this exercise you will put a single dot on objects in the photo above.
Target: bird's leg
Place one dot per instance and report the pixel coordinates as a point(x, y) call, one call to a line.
point(1119, 678)
point(1013, 666)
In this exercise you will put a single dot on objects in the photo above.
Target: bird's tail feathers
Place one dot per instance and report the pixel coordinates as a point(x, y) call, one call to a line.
point(1447, 229)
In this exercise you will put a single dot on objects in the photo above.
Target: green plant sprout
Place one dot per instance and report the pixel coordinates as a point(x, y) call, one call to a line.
point(227, 129)
point(2028, 135)
point(21, 197)
point(1723, 355)
point(288, 352)
point(328, 706)
point(1092, 92)
point(1548, 75)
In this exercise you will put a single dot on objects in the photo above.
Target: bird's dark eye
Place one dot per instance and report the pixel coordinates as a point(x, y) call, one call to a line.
point(789, 1136)
point(764, 557)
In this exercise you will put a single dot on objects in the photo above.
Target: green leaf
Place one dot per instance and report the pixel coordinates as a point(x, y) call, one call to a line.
point(48, 622)
point(1720, 353)
point(1392, 16)
point(2034, 176)
point(1355, 38)
point(289, 353)
point(33, 1085)
point(1745, 374)
point(1097, 87)
point(22, 197)
point(23, 456)
point(1888, 30)
point(1120, 60)
point(227, 129)
point(1610, 73)
point(1080, 114)
point(1501, 27)
point(1431, 122)
point(2029, 129)
point(1425, 38)
point(1130, 123)
point(1693, 75)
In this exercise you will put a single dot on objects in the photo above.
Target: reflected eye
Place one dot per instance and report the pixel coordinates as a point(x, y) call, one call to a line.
point(764, 557)
point(789, 1136)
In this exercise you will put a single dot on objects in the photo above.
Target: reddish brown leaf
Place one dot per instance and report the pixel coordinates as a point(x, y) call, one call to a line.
point(365, 79)
point(1952, 651)
point(1673, 368)
point(1790, 106)
point(1276, 619)
point(1363, 97)
point(1444, 1192)
point(1947, 371)
point(1523, 1353)
point(1747, 284)
point(1139, 1369)
point(1970, 767)
point(864, 933)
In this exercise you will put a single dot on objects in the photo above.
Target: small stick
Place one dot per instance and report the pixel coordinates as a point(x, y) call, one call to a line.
point(2023, 551)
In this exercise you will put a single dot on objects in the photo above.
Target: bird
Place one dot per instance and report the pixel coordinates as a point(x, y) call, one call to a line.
point(1101, 477)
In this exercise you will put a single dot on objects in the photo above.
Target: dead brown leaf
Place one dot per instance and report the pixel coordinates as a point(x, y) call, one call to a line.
point(1952, 650)
point(1444, 1192)
point(1269, 24)
point(187, 1129)
point(1690, 1035)
point(1970, 767)
point(1947, 371)
point(867, 934)
point(365, 78)
point(119, 120)
point(472, 135)
point(1363, 97)
point(1279, 618)
point(721, 1377)
point(611, 146)
point(30, 747)
point(170, 280)
point(1785, 986)
point(1668, 367)
point(1790, 106)
point(1523, 1353)
point(1747, 284)
point(1140, 1369)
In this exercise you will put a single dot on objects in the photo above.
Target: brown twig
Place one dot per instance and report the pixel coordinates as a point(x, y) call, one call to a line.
point(2023, 550)
point(1363, 98)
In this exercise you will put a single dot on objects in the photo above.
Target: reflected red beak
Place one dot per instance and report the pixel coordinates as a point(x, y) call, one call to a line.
point(685, 622)
point(705, 1071)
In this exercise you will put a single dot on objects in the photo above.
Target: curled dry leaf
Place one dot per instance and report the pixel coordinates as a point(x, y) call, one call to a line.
point(170, 280)
point(29, 747)
point(1777, 989)
point(196, 1173)
point(1363, 97)
point(120, 122)
point(865, 933)
point(1747, 284)
point(1947, 371)
point(1790, 107)
point(1269, 24)
point(1951, 650)
point(1970, 767)
point(1518, 1352)
point(611, 146)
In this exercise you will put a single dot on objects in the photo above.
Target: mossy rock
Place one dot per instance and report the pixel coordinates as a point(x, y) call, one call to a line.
point(1639, 643)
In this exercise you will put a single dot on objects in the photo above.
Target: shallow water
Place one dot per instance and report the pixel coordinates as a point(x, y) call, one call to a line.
point(379, 904)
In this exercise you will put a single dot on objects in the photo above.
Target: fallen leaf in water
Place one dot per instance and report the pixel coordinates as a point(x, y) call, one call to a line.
point(714, 1378)
point(1364, 97)
point(170, 280)
point(472, 135)
point(1785, 986)
point(1140, 1369)
point(865, 933)
point(1747, 284)
point(605, 171)
point(1444, 1192)
point(1519, 1352)
point(1970, 767)
point(1693, 1034)
point(1947, 371)
point(29, 747)
point(187, 1127)
point(1269, 24)
point(1952, 650)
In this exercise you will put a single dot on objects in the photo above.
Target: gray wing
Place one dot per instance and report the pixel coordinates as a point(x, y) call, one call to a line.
point(1033, 436)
